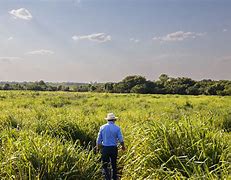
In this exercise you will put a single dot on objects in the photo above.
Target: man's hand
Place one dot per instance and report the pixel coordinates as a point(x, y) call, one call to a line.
point(97, 148)
point(123, 147)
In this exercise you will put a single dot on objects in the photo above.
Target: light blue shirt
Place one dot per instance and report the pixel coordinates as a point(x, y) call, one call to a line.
point(109, 134)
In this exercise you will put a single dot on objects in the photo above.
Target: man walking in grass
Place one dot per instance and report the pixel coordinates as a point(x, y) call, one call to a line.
point(108, 136)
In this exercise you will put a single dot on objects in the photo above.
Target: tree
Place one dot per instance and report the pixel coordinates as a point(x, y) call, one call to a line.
point(108, 87)
point(42, 83)
point(119, 87)
point(6, 87)
point(92, 87)
point(163, 78)
point(215, 88)
point(81, 88)
point(131, 81)
point(193, 90)
point(140, 88)
point(60, 87)
point(177, 85)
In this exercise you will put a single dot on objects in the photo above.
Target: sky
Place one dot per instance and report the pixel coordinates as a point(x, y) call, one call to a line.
point(107, 40)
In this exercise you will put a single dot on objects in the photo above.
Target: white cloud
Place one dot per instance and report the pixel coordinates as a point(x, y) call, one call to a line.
point(40, 52)
point(9, 59)
point(10, 38)
point(134, 40)
point(99, 37)
point(77, 2)
point(179, 36)
point(21, 13)
point(225, 30)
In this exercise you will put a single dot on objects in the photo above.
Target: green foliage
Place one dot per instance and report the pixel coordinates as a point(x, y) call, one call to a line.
point(140, 88)
point(181, 147)
point(227, 123)
point(25, 155)
point(108, 87)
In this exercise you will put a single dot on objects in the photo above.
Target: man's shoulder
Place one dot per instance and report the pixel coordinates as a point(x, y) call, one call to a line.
point(103, 126)
point(117, 126)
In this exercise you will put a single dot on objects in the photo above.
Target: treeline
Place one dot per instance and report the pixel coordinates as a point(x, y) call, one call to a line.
point(41, 86)
point(134, 84)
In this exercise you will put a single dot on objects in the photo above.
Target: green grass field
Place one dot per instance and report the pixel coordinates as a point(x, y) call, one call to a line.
point(51, 135)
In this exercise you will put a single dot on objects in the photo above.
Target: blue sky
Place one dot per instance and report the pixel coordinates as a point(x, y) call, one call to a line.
point(106, 40)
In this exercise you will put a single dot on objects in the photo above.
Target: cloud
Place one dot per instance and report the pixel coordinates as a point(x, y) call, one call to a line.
point(225, 30)
point(99, 37)
point(179, 36)
point(10, 38)
point(21, 13)
point(225, 59)
point(40, 52)
point(77, 2)
point(9, 59)
point(134, 40)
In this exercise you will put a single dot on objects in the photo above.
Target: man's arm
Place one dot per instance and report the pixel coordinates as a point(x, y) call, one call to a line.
point(99, 140)
point(121, 140)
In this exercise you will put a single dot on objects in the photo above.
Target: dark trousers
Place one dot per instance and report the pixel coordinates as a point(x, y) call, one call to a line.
point(109, 153)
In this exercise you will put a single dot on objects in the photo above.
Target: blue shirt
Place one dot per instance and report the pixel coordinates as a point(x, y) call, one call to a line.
point(109, 134)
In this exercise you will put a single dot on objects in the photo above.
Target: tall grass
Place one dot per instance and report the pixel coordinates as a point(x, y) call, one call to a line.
point(26, 155)
point(51, 135)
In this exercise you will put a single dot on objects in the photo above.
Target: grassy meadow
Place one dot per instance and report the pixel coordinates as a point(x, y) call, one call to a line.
point(51, 135)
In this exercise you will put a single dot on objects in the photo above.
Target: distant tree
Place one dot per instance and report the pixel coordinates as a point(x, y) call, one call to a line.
point(41, 83)
point(81, 88)
point(163, 86)
point(119, 87)
point(193, 90)
point(139, 88)
point(92, 87)
point(108, 87)
point(177, 85)
point(51, 88)
point(130, 81)
point(227, 91)
point(60, 87)
point(215, 88)
point(151, 87)
point(163, 78)
point(66, 88)
point(6, 87)
point(34, 87)
point(18, 86)
point(160, 88)
point(99, 88)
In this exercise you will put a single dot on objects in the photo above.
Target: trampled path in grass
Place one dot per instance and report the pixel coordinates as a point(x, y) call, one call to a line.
point(51, 135)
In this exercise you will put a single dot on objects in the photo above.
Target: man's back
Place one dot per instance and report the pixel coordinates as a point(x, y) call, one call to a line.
point(109, 134)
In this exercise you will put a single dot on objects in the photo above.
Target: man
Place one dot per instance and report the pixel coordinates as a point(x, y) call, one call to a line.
point(108, 136)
